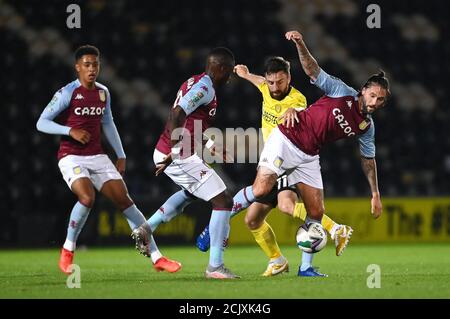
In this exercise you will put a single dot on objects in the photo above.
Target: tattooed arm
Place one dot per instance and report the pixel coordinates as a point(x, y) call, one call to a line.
point(308, 62)
point(369, 167)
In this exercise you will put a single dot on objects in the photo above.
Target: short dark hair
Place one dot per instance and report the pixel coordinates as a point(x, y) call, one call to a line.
point(86, 49)
point(222, 55)
point(276, 64)
point(378, 79)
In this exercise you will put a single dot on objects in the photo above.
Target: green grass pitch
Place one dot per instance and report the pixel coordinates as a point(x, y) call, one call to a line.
point(407, 271)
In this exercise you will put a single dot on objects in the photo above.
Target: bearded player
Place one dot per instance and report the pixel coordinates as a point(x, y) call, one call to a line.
point(342, 112)
point(280, 103)
point(79, 112)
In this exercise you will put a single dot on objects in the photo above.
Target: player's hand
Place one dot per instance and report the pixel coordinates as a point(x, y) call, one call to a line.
point(120, 165)
point(80, 135)
point(289, 117)
point(294, 36)
point(241, 70)
point(377, 207)
point(161, 166)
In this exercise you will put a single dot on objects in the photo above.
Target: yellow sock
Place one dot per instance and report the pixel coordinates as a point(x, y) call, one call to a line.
point(327, 223)
point(300, 212)
point(265, 237)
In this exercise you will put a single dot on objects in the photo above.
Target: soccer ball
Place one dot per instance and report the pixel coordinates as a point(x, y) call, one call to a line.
point(311, 238)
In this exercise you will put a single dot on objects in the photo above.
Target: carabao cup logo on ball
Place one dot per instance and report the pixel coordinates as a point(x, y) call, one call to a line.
point(311, 238)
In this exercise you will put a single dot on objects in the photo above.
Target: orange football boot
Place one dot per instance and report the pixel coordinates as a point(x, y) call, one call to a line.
point(166, 264)
point(65, 260)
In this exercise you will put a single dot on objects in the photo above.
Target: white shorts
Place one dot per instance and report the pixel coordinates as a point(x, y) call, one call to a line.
point(98, 168)
point(281, 156)
point(193, 175)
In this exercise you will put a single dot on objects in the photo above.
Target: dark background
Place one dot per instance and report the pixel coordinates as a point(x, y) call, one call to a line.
point(149, 48)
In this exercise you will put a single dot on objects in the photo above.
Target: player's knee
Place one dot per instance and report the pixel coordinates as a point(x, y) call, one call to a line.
point(228, 201)
point(261, 189)
point(286, 207)
point(124, 203)
point(252, 223)
point(316, 212)
point(87, 200)
point(223, 201)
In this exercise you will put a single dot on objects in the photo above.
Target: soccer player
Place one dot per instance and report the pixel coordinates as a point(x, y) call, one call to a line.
point(175, 154)
point(79, 112)
point(280, 101)
point(342, 112)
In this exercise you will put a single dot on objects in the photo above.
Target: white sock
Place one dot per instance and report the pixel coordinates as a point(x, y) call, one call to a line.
point(333, 230)
point(278, 260)
point(155, 254)
point(70, 245)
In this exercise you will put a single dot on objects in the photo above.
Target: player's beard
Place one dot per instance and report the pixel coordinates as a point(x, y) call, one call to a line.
point(280, 95)
point(364, 106)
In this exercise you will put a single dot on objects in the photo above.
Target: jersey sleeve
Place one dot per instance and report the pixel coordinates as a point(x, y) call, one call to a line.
point(59, 102)
point(201, 93)
point(332, 86)
point(367, 142)
point(302, 103)
point(107, 116)
point(110, 129)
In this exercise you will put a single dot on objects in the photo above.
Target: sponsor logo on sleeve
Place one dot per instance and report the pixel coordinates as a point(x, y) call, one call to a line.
point(195, 99)
point(77, 170)
point(52, 103)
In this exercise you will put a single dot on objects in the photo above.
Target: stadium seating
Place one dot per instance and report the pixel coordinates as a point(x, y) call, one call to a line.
point(167, 43)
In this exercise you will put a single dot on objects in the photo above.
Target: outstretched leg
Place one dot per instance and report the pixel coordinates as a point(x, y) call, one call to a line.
point(116, 191)
point(264, 182)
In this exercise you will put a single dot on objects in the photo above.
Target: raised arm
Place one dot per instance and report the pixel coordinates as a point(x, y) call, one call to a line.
point(243, 72)
point(308, 62)
point(369, 167)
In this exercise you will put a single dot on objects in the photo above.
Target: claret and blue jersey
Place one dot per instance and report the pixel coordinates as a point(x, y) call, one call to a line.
point(75, 106)
point(334, 116)
point(197, 98)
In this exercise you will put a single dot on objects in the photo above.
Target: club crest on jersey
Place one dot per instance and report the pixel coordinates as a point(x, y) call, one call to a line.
point(362, 126)
point(278, 161)
point(102, 95)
